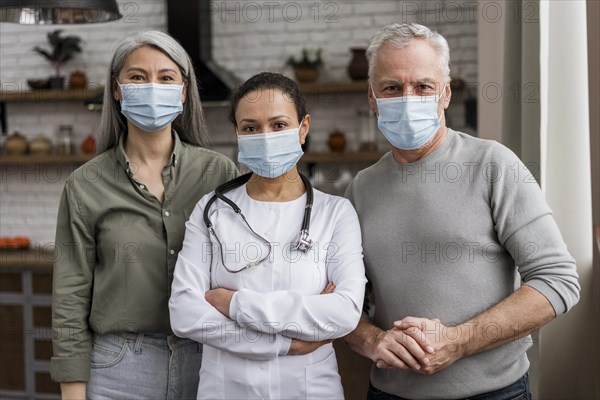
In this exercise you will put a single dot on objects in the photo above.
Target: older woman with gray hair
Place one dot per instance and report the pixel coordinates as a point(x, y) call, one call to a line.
point(121, 225)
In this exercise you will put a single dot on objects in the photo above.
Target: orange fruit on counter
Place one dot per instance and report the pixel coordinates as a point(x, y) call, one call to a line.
point(8, 243)
point(17, 242)
point(22, 242)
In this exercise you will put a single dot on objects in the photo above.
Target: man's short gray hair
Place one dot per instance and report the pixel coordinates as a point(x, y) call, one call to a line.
point(400, 36)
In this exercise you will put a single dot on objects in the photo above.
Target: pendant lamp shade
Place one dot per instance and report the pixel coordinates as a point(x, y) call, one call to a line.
point(49, 12)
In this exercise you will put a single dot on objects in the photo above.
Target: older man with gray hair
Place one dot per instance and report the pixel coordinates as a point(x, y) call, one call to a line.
point(449, 222)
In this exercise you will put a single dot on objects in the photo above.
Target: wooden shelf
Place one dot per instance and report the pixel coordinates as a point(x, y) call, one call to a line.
point(87, 94)
point(365, 157)
point(37, 258)
point(45, 160)
point(50, 95)
point(334, 87)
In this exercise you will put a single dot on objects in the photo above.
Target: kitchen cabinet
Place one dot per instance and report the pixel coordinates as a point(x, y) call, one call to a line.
point(25, 330)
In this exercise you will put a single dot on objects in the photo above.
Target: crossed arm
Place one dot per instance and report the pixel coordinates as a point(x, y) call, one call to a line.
point(221, 300)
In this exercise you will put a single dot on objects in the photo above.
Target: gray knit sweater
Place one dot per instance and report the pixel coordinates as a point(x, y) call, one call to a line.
point(444, 237)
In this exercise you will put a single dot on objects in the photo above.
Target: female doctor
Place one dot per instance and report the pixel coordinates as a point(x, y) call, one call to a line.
point(271, 270)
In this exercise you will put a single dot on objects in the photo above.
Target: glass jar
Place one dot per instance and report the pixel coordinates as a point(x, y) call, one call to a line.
point(368, 130)
point(64, 140)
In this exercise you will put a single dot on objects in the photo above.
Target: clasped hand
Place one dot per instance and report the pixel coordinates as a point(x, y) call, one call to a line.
point(422, 345)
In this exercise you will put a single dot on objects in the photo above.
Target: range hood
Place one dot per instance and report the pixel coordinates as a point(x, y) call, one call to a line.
point(190, 23)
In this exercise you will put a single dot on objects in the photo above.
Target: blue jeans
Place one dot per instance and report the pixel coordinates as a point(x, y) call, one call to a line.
point(517, 391)
point(143, 366)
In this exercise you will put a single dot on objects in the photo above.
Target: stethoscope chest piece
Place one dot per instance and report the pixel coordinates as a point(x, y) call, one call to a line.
point(303, 244)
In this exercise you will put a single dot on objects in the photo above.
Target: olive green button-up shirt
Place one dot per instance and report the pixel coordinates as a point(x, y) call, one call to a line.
point(116, 247)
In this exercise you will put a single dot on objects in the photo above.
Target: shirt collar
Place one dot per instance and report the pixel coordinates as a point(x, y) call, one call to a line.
point(124, 161)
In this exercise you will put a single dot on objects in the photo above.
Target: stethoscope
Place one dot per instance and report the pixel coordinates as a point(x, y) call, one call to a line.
point(303, 244)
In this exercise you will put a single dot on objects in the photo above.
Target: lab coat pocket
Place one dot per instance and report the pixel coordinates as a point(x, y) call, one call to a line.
point(212, 380)
point(323, 380)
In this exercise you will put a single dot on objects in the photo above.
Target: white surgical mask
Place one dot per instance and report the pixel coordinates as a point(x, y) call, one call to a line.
point(270, 154)
point(151, 106)
point(408, 122)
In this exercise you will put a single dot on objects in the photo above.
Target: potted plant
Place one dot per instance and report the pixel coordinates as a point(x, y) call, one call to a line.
point(306, 68)
point(63, 49)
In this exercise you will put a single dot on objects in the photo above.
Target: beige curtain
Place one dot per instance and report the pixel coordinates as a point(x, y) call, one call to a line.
point(569, 345)
point(545, 121)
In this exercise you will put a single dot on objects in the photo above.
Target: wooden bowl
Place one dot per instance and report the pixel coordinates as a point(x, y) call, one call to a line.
point(37, 83)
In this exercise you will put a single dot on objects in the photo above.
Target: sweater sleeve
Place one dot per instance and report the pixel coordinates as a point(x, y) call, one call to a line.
point(367, 307)
point(71, 291)
point(315, 317)
point(194, 318)
point(526, 228)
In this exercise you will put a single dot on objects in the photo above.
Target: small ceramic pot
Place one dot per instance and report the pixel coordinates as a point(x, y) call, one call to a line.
point(337, 141)
point(56, 82)
point(306, 74)
point(88, 146)
point(40, 145)
point(77, 80)
point(16, 144)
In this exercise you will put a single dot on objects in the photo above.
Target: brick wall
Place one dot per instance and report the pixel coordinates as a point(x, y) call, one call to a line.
point(248, 37)
point(260, 35)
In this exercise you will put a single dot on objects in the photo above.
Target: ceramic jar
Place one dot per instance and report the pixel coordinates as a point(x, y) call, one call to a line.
point(16, 144)
point(337, 141)
point(40, 145)
point(306, 74)
point(358, 69)
point(77, 80)
point(88, 146)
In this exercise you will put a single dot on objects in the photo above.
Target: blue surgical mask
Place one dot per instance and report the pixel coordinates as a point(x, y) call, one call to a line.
point(151, 106)
point(408, 122)
point(270, 154)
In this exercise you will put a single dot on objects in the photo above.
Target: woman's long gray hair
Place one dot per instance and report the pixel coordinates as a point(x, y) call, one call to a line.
point(190, 125)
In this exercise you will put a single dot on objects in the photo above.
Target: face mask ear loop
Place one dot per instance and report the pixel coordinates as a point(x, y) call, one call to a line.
point(301, 122)
point(373, 91)
point(440, 99)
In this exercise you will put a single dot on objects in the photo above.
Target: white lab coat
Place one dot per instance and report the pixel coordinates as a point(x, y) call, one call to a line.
point(245, 357)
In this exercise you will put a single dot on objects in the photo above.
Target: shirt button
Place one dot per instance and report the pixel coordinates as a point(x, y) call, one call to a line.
point(171, 252)
point(142, 187)
point(166, 213)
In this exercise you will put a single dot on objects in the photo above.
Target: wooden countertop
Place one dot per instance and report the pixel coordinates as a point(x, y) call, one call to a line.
point(36, 259)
